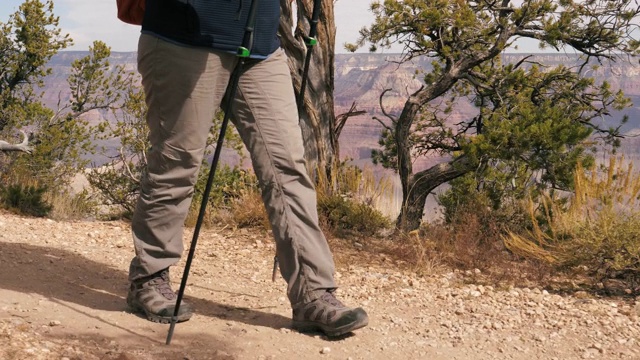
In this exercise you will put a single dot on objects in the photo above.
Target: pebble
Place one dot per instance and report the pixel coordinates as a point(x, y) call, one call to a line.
point(325, 350)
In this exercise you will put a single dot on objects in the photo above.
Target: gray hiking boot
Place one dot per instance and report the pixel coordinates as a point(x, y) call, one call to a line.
point(329, 315)
point(154, 297)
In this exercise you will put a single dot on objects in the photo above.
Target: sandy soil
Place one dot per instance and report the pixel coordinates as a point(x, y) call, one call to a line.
point(63, 288)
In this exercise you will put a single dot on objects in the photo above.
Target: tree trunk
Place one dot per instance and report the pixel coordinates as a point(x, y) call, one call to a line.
point(317, 117)
point(416, 187)
point(421, 184)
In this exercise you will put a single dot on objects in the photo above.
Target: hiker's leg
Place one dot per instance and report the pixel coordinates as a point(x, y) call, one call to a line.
point(266, 116)
point(183, 88)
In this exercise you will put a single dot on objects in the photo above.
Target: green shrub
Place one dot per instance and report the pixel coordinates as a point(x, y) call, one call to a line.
point(341, 213)
point(229, 184)
point(26, 199)
point(117, 190)
point(351, 200)
point(502, 205)
point(232, 188)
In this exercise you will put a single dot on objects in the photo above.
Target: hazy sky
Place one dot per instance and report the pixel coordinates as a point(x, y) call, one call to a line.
point(89, 20)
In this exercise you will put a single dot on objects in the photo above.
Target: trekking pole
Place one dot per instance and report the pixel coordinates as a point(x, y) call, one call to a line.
point(310, 41)
point(243, 53)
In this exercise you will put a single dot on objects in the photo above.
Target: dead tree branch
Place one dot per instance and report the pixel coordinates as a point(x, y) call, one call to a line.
point(23, 146)
point(341, 119)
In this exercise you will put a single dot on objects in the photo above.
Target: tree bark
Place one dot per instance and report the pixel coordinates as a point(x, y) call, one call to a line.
point(421, 184)
point(403, 127)
point(317, 117)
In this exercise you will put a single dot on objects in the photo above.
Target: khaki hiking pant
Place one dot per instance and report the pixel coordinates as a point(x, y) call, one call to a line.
point(184, 86)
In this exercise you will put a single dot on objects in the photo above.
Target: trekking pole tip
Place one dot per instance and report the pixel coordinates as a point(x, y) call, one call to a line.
point(171, 328)
point(275, 269)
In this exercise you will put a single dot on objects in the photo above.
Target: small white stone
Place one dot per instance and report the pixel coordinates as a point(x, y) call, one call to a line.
point(325, 350)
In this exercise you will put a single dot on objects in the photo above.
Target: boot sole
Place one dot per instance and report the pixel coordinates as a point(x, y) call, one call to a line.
point(136, 308)
point(311, 326)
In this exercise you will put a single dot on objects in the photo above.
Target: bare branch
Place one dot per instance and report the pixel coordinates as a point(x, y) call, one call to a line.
point(23, 146)
point(393, 119)
point(126, 166)
point(341, 119)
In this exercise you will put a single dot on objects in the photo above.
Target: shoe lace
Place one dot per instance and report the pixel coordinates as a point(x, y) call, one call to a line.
point(163, 286)
point(328, 297)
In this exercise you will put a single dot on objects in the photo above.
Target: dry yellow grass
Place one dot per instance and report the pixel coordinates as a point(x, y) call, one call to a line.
point(597, 228)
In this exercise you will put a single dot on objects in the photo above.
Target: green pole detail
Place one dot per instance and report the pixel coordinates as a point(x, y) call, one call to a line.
point(243, 52)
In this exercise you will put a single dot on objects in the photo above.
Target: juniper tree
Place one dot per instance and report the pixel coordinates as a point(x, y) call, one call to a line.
point(532, 122)
point(59, 137)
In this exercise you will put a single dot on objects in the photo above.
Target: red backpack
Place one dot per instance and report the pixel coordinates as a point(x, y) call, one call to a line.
point(131, 11)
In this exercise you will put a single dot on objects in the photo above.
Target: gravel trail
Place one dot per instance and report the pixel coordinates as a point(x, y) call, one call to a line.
point(63, 288)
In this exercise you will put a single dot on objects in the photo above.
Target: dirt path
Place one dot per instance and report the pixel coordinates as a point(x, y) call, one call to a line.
point(62, 288)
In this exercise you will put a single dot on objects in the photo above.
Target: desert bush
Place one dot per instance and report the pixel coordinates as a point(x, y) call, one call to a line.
point(27, 199)
point(346, 215)
point(597, 230)
point(234, 198)
point(229, 184)
point(469, 235)
point(30, 196)
point(70, 206)
point(488, 196)
point(246, 210)
point(347, 202)
point(470, 240)
point(118, 191)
